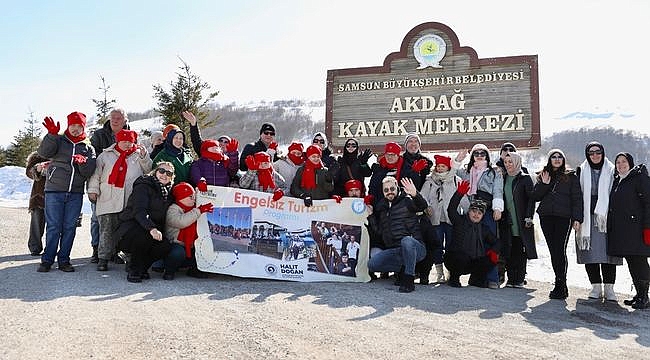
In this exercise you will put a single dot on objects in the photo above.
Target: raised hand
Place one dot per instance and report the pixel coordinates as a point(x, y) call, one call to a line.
point(189, 116)
point(51, 127)
point(461, 155)
point(463, 187)
point(409, 187)
point(232, 145)
point(365, 156)
point(546, 177)
point(419, 165)
point(251, 163)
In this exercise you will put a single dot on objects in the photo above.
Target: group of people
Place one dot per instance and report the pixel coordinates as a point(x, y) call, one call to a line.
point(472, 217)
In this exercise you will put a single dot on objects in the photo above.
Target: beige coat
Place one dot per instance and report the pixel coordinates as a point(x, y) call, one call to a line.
point(112, 199)
point(177, 219)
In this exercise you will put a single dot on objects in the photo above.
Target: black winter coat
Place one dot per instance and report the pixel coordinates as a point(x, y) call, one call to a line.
point(561, 197)
point(463, 238)
point(629, 214)
point(324, 184)
point(398, 218)
point(251, 149)
point(417, 177)
point(359, 171)
point(522, 191)
point(146, 207)
point(104, 137)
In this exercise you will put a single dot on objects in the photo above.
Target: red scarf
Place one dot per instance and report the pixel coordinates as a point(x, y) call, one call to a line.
point(75, 139)
point(397, 165)
point(308, 180)
point(265, 177)
point(189, 234)
point(297, 160)
point(118, 174)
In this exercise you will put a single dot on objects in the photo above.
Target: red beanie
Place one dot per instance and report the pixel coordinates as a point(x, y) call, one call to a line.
point(216, 156)
point(77, 118)
point(126, 135)
point(169, 128)
point(392, 148)
point(313, 149)
point(296, 146)
point(353, 184)
point(440, 159)
point(182, 190)
point(261, 157)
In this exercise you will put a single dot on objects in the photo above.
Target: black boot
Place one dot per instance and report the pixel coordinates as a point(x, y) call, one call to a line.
point(634, 299)
point(454, 280)
point(398, 278)
point(95, 258)
point(407, 284)
point(642, 301)
point(102, 265)
point(560, 291)
point(424, 278)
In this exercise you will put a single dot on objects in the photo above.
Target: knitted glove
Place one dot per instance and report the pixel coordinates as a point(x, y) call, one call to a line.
point(251, 163)
point(646, 236)
point(365, 156)
point(206, 208)
point(232, 145)
point(52, 128)
point(492, 256)
point(273, 148)
point(368, 199)
point(308, 201)
point(278, 194)
point(79, 159)
point(463, 187)
point(419, 165)
point(337, 198)
point(202, 185)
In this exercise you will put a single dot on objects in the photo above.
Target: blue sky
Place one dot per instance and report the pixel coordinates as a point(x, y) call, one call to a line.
point(592, 54)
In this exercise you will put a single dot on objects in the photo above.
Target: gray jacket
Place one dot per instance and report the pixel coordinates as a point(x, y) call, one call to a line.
point(62, 173)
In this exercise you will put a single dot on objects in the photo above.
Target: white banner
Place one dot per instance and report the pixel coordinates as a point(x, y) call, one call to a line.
point(249, 235)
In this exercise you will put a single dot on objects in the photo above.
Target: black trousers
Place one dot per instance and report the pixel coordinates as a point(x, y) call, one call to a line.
point(639, 269)
point(556, 231)
point(459, 263)
point(594, 272)
point(143, 248)
point(516, 263)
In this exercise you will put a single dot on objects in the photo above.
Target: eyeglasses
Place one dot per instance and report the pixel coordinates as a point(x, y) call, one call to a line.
point(224, 141)
point(509, 149)
point(271, 133)
point(351, 145)
point(317, 141)
point(162, 171)
point(557, 157)
point(389, 189)
point(594, 152)
point(479, 153)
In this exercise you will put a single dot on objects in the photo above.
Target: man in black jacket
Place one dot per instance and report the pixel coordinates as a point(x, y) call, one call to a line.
point(395, 218)
point(265, 143)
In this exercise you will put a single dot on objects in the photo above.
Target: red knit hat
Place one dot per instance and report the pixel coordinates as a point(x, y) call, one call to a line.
point(216, 156)
point(440, 159)
point(169, 128)
point(353, 184)
point(126, 135)
point(77, 118)
point(314, 150)
point(393, 148)
point(261, 157)
point(182, 190)
point(296, 146)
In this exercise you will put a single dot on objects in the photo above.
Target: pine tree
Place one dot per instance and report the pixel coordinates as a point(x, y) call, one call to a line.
point(104, 106)
point(186, 93)
point(24, 143)
point(3, 156)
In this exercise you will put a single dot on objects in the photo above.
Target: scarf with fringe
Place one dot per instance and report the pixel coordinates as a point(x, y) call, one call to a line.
point(583, 238)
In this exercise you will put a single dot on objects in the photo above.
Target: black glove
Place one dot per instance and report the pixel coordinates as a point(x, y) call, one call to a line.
point(365, 155)
point(308, 201)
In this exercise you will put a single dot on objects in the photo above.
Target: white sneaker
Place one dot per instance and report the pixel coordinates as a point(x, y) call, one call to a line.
point(610, 295)
point(596, 291)
point(440, 274)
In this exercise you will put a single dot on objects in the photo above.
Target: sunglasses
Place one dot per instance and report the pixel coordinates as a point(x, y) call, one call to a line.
point(351, 145)
point(389, 189)
point(479, 153)
point(557, 157)
point(271, 133)
point(595, 152)
point(162, 171)
point(224, 141)
point(318, 141)
point(509, 149)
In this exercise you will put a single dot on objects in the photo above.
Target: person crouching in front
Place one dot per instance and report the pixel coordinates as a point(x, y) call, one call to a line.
point(472, 250)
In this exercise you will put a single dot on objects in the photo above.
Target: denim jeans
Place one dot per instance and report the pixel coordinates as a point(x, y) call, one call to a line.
point(176, 258)
point(443, 231)
point(61, 212)
point(407, 254)
point(94, 226)
point(488, 219)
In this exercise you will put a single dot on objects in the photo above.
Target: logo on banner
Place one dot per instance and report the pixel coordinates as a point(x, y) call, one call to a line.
point(429, 50)
point(270, 269)
point(358, 206)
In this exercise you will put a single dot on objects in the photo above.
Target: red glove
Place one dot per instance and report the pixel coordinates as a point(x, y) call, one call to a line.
point(419, 165)
point(206, 208)
point(79, 159)
point(646, 236)
point(250, 162)
point(273, 145)
point(492, 256)
point(202, 185)
point(50, 126)
point(337, 198)
point(463, 187)
point(278, 194)
point(232, 145)
point(368, 199)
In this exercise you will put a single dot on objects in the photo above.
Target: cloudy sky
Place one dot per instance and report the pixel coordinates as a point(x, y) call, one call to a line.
point(592, 54)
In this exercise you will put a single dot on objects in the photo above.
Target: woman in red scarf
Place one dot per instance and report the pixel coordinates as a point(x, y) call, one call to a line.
point(313, 181)
point(110, 186)
point(181, 230)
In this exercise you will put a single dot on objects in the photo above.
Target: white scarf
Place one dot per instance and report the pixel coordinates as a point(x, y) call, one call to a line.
point(583, 238)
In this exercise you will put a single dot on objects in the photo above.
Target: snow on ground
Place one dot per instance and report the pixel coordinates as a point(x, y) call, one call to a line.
point(15, 189)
